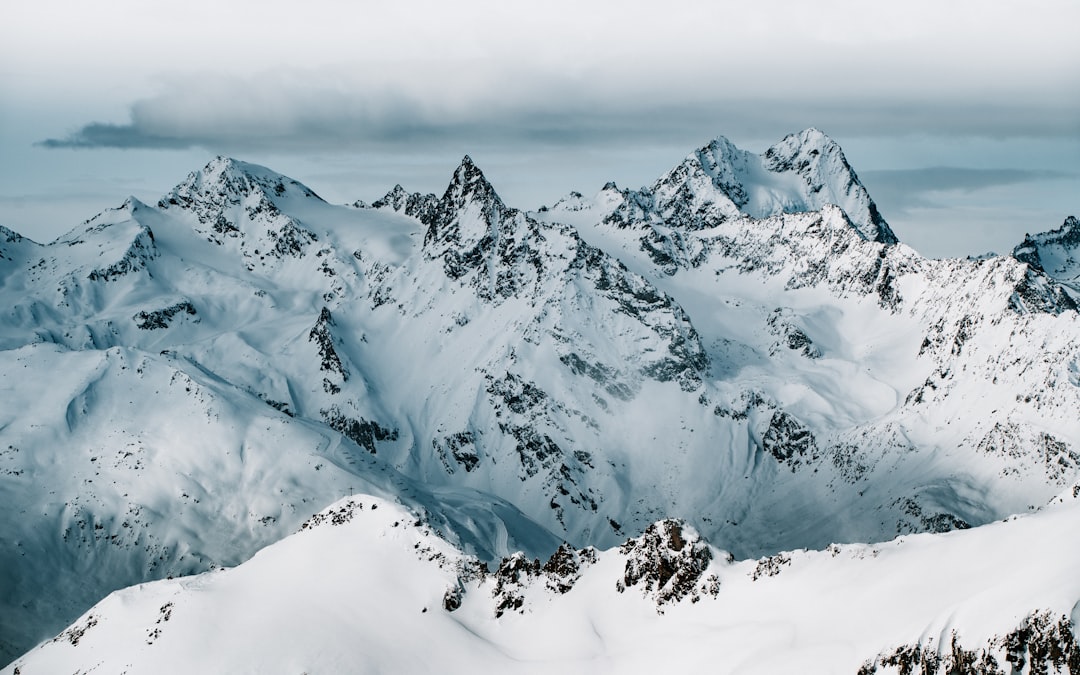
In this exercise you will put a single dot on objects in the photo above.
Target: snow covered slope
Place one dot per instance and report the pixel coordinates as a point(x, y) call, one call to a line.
point(1057, 253)
point(365, 586)
point(803, 172)
point(186, 382)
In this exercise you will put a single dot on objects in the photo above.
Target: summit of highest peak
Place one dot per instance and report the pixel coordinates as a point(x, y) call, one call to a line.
point(805, 171)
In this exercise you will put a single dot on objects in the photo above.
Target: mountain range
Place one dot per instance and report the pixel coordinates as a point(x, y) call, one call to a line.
point(732, 393)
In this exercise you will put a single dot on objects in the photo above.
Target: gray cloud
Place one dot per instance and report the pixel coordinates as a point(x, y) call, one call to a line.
point(123, 136)
point(294, 110)
point(938, 178)
point(899, 191)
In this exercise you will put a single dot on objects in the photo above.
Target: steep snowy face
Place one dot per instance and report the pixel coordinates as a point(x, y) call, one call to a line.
point(803, 172)
point(1056, 253)
point(504, 255)
point(538, 332)
point(239, 204)
point(825, 177)
point(58, 293)
point(846, 360)
point(128, 466)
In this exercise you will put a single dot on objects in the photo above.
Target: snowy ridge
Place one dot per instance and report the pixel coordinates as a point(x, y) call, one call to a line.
point(366, 585)
point(803, 172)
point(235, 201)
point(776, 377)
point(1056, 253)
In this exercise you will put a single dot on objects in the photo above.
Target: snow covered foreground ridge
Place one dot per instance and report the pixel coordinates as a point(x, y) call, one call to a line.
point(366, 586)
point(185, 383)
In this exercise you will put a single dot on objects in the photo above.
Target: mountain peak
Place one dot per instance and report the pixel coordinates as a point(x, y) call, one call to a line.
point(805, 171)
point(469, 184)
point(469, 208)
point(829, 179)
point(809, 142)
point(720, 144)
point(226, 178)
point(394, 198)
point(813, 136)
point(414, 204)
point(1056, 252)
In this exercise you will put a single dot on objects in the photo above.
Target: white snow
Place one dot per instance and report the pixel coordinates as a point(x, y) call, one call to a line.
point(184, 383)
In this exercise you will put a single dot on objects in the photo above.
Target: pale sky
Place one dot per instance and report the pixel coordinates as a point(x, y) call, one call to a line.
point(962, 118)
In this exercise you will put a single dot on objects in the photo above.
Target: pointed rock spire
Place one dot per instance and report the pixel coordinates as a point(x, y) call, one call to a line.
point(469, 210)
point(470, 184)
point(394, 199)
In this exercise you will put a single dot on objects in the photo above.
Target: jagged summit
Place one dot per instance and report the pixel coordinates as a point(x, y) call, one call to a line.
point(469, 213)
point(719, 182)
point(470, 184)
point(245, 205)
point(820, 162)
point(227, 179)
point(399, 200)
point(395, 199)
point(1056, 252)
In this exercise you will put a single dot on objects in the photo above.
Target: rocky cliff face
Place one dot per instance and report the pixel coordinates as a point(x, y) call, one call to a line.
point(1055, 253)
point(804, 172)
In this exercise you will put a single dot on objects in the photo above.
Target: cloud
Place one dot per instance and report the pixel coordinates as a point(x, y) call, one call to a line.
point(942, 178)
point(124, 136)
point(476, 102)
point(946, 210)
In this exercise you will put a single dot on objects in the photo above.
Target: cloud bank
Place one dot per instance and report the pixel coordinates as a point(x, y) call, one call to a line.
point(297, 110)
point(941, 178)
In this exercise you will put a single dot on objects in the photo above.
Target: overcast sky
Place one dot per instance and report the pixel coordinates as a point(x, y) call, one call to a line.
point(962, 118)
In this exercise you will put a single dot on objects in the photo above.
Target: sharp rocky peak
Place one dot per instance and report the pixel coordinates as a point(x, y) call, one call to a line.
point(803, 172)
point(829, 178)
point(395, 199)
point(225, 179)
point(1056, 253)
point(414, 204)
point(470, 210)
point(470, 185)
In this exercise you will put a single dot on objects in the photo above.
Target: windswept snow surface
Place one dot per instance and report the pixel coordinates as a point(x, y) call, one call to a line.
point(364, 587)
point(743, 345)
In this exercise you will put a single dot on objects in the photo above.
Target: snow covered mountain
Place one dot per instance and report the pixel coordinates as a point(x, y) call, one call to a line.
point(802, 173)
point(1057, 253)
point(744, 345)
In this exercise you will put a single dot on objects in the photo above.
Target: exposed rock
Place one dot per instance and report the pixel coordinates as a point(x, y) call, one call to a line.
point(162, 318)
point(363, 432)
point(321, 335)
point(668, 560)
point(1041, 644)
point(789, 441)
